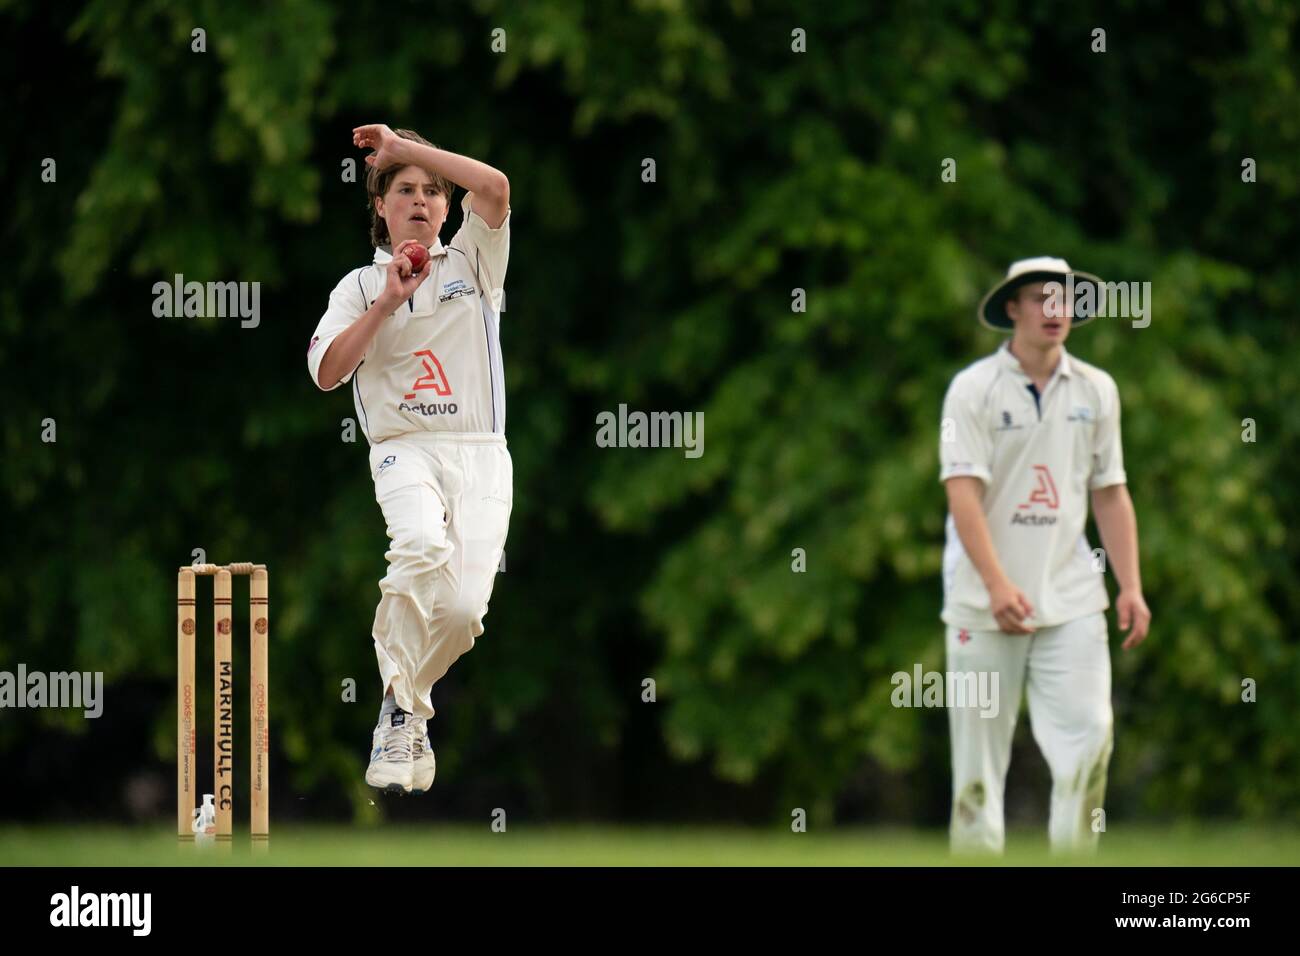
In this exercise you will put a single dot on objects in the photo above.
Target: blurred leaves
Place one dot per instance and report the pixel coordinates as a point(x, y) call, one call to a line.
point(776, 171)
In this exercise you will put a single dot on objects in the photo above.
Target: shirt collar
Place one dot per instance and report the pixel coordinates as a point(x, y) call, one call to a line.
point(385, 252)
point(1012, 364)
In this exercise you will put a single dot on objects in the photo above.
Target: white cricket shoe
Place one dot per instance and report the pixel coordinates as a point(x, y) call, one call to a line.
point(422, 756)
point(392, 766)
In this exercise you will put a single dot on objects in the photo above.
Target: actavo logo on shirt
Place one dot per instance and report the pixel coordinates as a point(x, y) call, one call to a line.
point(1044, 495)
point(434, 377)
point(430, 408)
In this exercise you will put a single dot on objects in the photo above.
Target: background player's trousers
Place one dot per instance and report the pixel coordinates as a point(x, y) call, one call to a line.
point(446, 499)
point(1066, 672)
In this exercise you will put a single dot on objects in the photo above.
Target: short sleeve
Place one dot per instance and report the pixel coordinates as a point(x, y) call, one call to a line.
point(488, 249)
point(965, 445)
point(347, 304)
point(1108, 453)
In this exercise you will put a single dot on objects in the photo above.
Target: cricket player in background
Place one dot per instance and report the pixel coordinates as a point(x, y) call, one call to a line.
point(1029, 435)
point(420, 344)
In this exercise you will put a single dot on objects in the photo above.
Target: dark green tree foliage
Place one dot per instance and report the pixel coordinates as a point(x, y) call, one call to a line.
point(776, 171)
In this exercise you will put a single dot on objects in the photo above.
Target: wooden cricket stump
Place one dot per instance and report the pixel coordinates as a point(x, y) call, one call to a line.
point(223, 709)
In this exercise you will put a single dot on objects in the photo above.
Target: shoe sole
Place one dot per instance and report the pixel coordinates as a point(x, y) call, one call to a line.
point(394, 788)
point(390, 787)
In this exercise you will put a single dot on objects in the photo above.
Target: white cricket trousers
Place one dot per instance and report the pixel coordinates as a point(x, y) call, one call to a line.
point(1066, 670)
point(446, 498)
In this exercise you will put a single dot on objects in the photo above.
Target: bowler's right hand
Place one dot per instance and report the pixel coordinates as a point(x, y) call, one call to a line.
point(401, 280)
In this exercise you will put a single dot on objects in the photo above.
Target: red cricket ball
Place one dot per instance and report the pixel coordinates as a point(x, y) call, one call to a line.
point(418, 256)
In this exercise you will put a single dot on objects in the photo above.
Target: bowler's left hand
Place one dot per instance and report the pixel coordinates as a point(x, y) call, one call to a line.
point(1134, 616)
point(387, 145)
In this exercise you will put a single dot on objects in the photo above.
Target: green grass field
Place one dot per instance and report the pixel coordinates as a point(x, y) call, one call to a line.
point(627, 846)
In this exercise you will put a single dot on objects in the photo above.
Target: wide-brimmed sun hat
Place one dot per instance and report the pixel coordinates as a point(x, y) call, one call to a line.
point(992, 310)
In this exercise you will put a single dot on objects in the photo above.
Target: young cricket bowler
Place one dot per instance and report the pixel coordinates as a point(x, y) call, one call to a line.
point(417, 333)
point(1029, 434)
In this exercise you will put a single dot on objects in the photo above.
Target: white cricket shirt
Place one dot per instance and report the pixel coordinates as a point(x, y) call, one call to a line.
point(435, 363)
point(1038, 461)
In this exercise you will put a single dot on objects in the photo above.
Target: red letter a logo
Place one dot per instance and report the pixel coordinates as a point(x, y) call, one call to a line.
point(1044, 492)
point(433, 376)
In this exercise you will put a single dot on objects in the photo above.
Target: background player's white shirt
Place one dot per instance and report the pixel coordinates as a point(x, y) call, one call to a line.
point(1038, 462)
point(435, 363)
